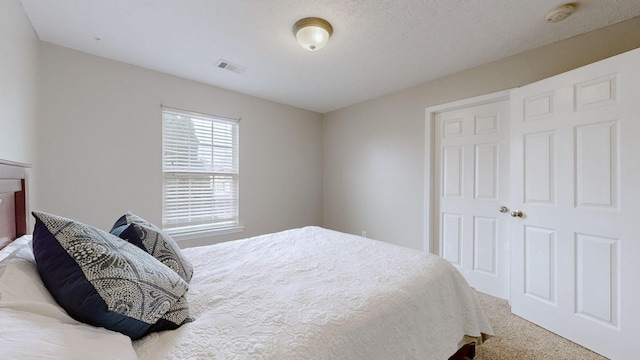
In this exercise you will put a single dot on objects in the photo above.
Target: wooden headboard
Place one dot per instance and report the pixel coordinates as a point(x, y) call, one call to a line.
point(13, 201)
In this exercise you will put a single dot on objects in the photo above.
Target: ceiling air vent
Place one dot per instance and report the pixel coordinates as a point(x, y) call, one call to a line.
point(224, 64)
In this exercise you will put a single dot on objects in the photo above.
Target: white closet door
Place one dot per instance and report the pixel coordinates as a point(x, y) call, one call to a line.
point(575, 162)
point(471, 178)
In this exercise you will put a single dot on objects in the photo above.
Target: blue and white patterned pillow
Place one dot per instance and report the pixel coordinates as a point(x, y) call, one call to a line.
point(105, 281)
point(150, 238)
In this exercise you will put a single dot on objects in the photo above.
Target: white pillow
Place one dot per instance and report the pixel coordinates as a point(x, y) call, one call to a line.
point(14, 245)
point(22, 289)
point(34, 326)
point(31, 336)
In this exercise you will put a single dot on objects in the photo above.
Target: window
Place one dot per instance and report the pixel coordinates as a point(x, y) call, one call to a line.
point(200, 173)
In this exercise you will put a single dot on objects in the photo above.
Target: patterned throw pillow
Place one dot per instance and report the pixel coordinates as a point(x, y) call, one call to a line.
point(104, 281)
point(150, 238)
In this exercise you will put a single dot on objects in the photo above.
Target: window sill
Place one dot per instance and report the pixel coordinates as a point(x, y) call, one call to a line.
point(198, 234)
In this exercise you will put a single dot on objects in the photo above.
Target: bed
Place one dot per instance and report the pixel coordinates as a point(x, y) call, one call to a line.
point(307, 293)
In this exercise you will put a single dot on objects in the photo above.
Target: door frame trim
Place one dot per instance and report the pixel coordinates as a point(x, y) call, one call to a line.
point(429, 151)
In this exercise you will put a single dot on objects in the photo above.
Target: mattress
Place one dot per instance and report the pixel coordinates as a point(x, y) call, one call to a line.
point(313, 293)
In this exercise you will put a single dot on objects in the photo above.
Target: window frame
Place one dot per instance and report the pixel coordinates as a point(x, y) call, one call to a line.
point(199, 175)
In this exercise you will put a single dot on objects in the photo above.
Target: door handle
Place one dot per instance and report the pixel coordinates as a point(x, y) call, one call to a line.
point(517, 213)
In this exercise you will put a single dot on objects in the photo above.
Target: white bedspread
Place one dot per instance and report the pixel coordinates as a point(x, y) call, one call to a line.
point(313, 293)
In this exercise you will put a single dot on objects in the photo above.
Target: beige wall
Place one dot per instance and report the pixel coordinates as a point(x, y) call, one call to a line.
point(96, 146)
point(18, 75)
point(374, 163)
point(100, 145)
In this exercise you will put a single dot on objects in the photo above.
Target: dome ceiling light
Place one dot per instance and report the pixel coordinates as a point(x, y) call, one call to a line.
point(312, 33)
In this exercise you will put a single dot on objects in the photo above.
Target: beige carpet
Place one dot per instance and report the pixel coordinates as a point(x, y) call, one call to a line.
point(519, 339)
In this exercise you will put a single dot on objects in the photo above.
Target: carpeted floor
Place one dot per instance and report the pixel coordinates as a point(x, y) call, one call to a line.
point(519, 339)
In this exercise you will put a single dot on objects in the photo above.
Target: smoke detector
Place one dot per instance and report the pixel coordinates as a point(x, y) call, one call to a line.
point(560, 13)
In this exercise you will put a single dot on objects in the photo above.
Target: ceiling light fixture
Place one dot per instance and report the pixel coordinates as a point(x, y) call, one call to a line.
point(312, 33)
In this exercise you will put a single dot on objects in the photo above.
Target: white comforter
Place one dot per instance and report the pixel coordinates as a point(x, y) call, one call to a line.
point(313, 293)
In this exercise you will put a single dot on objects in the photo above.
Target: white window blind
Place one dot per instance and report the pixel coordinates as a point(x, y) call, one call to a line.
point(200, 167)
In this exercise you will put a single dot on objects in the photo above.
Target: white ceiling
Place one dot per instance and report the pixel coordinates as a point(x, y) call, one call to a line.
point(378, 46)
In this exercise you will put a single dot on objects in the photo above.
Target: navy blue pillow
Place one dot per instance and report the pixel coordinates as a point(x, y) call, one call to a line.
point(151, 239)
point(104, 281)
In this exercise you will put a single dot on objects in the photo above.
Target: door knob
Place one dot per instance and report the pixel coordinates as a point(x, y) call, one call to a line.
point(517, 213)
point(503, 209)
